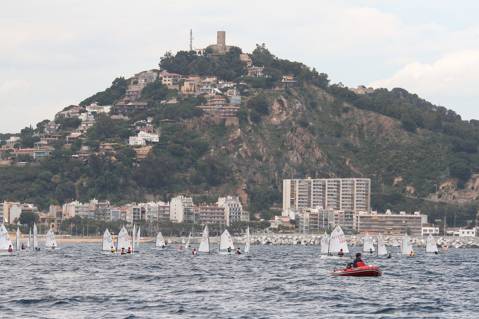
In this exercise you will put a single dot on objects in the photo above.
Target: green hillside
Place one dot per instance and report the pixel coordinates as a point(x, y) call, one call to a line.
point(406, 145)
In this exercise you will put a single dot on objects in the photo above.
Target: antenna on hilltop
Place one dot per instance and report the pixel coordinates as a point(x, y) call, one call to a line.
point(191, 39)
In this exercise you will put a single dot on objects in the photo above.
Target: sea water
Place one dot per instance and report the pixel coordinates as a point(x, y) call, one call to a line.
point(79, 281)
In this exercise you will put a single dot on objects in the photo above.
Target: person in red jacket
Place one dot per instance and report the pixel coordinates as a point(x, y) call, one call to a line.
point(358, 262)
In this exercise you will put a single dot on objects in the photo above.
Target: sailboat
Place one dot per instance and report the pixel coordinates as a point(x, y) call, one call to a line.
point(35, 239)
point(160, 241)
point(337, 242)
point(107, 243)
point(29, 237)
point(187, 245)
point(406, 246)
point(137, 239)
point(5, 241)
point(247, 245)
point(123, 240)
point(133, 235)
point(325, 244)
point(431, 246)
point(382, 250)
point(226, 243)
point(50, 242)
point(205, 241)
point(17, 240)
point(368, 244)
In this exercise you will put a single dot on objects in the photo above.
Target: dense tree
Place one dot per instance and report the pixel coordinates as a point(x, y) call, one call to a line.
point(107, 128)
point(155, 91)
point(110, 95)
point(28, 218)
point(226, 66)
point(68, 123)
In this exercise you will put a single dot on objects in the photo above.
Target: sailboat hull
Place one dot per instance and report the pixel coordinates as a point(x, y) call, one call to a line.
point(332, 257)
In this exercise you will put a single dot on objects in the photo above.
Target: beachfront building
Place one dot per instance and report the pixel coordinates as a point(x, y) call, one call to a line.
point(233, 210)
point(318, 220)
point(461, 232)
point(103, 211)
point(181, 209)
point(389, 223)
point(342, 194)
point(313, 220)
point(83, 210)
point(12, 211)
point(209, 214)
point(427, 230)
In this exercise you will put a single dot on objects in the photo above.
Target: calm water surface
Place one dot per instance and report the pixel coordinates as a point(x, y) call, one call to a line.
point(78, 281)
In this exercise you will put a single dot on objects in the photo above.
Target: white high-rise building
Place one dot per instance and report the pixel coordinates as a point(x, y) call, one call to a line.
point(345, 194)
point(181, 209)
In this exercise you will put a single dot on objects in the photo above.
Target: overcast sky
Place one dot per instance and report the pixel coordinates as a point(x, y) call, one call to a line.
point(54, 53)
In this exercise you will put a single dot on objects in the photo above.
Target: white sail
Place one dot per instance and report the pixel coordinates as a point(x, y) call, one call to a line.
point(382, 250)
point(5, 241)
point(29, 237)
point(324, 244)
point(17, 240)
point(226, 241)
point(50, 241)
point(138, 237)
point(368, 244)
point(35, 239)
point(338, 241)
point(205, 241)
point(107, 243)
point(431, 246)
point(160, 241)
point(133, 235)
point(123, 240)
point(406, 246)
point(247, 246)
point(187, 245)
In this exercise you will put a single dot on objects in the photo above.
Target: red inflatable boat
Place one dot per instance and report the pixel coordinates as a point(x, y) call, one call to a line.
point(363, 271)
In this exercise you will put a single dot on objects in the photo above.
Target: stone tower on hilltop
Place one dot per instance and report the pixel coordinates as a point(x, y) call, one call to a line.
point(220, 47)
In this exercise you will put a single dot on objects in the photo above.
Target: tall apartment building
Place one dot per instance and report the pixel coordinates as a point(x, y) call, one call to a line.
point(344, 194)
point(181, 209)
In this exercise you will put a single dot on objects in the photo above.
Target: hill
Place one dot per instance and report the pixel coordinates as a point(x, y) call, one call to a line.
point(240, 123)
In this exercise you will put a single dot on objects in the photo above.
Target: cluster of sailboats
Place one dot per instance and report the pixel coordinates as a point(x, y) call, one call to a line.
point(335, 244)
point(6, 244)
point(126, 244)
